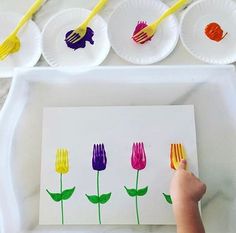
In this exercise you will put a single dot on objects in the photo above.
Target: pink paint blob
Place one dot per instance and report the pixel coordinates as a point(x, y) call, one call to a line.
point(138, 157)
point(140, 25)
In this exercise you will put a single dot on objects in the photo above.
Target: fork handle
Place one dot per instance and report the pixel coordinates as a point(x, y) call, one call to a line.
point(94, 11)
point(170, 11)
point(28, 15)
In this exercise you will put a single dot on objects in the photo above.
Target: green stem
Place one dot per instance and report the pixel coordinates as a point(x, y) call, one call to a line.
point(136, 198)
point(62, 209)
point(99, 208)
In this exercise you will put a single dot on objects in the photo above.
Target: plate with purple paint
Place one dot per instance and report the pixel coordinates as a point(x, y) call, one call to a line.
point(131, 16)
point(89, 51)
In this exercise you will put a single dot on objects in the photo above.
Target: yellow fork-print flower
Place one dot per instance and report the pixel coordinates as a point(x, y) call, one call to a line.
point(62, 163)
point(62, 167)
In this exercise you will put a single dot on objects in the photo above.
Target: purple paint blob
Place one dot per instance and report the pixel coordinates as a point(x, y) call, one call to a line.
point(82, 43)
point(99, 160)
point(141, 25)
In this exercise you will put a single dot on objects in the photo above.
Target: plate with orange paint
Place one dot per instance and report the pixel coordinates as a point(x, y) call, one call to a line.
point(208, 31)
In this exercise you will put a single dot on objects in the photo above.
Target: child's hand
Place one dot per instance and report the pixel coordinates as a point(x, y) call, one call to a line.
point(185, 187)
point(186, 190)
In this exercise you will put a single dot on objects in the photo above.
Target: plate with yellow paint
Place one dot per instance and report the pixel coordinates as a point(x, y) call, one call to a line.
point(30, 43)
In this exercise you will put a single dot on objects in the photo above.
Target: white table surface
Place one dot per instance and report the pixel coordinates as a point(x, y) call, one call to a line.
point(179, 57)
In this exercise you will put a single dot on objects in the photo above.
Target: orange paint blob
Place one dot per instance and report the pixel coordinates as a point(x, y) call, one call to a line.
point(214, 32)
point(171, 157)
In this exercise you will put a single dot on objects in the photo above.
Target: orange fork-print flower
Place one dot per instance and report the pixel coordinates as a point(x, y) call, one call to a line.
point(177, 153)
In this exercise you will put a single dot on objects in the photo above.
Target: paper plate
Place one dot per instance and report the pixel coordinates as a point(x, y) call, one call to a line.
point(55, 50)
point(30, 38)
point(122, 24)
point(193, 24)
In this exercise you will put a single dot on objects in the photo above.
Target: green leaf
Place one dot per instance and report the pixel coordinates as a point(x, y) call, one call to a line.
point(131, 192)
point(55, 196)
point(66, 194)
point(142, 192)
point(104, 198)
point(168, 198)
point(93, 198)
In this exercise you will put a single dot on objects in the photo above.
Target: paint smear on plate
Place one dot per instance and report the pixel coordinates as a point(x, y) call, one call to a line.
point(140, 25)
point(81, 43)
point(214, 32)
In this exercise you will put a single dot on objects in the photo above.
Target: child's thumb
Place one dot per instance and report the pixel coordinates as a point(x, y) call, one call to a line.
point(183, 164)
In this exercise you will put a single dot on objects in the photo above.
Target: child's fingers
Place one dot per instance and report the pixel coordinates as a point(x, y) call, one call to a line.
point(183, 164)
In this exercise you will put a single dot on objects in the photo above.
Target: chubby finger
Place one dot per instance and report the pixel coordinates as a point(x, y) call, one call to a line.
point(204, 187)
point(183, 164)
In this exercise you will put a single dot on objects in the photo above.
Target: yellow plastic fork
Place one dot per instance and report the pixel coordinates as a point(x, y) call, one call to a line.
point(12, 42)
point(81, 30)
point(177, 154)
point(147, 32)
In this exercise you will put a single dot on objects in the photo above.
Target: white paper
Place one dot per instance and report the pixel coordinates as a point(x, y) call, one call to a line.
point(78, 129)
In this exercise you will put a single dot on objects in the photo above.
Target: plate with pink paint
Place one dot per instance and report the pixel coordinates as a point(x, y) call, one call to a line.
point(132, 14)
point(89, 51)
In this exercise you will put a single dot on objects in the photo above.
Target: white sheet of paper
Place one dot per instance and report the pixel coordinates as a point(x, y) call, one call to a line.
point(78, 129)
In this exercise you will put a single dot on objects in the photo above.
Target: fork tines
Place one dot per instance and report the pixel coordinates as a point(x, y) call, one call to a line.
point(177, 153)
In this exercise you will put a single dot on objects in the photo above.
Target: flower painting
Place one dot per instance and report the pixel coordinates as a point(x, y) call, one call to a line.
point(177, 153)
point(61, 167)
point(99, 163)
point(121, 160)
point(138, 162)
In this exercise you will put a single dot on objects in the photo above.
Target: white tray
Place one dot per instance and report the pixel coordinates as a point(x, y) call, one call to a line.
point(211, 89)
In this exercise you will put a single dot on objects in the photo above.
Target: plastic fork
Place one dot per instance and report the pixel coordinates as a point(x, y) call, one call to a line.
point(177, 153)
point(146, 33)
point(12, 42)
point(82, 29)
